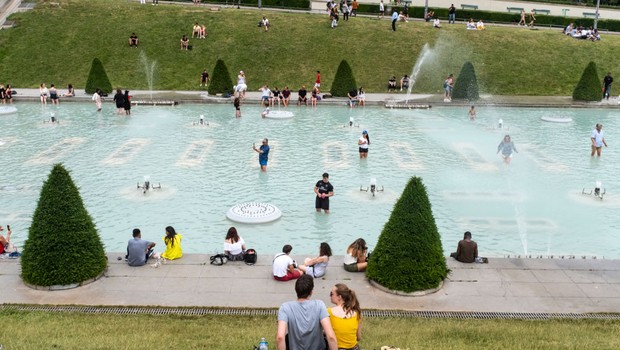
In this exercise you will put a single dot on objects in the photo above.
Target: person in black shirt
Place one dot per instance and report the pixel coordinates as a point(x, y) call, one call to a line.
point(204, 78)
point(323, 190)
point(302, 96)
point(133, 40)
point(607, 85)
point(451, 14)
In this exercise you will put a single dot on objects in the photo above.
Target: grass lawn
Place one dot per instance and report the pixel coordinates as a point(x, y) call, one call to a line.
point(57, 45)
point(40, 330)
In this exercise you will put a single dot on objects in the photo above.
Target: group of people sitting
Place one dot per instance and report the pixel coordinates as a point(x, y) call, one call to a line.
point(471, 25)
point(582, 32)
point(284, 268)
point(199, 31)
point(404, 83)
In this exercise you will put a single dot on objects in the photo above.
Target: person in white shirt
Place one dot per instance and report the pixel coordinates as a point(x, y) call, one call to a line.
point(598, 140)
point(284, 267)
point(234, 245)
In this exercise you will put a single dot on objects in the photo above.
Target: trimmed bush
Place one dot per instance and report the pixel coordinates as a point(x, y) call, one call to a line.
point(220, 81)
point(343, 81)
point(98, 78)
point(466, 84)
point(63, 246)
point(409, 256)
point(589, 86)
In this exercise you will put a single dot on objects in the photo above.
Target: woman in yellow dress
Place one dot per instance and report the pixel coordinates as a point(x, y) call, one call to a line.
point(173, 244)
point(345, 317)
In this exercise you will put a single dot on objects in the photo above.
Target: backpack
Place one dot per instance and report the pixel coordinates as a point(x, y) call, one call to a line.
point(219, 259)
point(250, 257)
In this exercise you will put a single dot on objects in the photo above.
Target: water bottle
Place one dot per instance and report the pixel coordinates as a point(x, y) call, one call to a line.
point(263, 345)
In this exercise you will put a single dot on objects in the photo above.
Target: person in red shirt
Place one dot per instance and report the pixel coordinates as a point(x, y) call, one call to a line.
point(317, 85)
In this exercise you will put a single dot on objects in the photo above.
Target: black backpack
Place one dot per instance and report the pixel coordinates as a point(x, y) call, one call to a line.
point(250, 257)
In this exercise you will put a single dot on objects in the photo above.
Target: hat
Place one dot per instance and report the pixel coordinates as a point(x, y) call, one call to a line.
point(365, 132)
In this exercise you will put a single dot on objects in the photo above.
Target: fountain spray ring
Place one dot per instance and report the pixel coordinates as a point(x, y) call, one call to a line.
point(253, 213)
point(7, 110)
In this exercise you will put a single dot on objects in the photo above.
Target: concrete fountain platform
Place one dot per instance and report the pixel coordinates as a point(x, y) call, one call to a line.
point(503, 285)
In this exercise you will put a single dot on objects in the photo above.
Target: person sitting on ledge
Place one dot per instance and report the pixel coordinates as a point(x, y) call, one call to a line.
point(70, 91)
point(356, 258)
point(467, 249)
point(284, 267)
point(138, 250)
point(133, 40)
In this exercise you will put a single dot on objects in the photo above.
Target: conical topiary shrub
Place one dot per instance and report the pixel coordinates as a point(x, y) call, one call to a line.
point(220, 81)
point(589, 86)
point(344, 81)
point(98, 78)
point(409, 256)
point(466, 85)
point(63, 246)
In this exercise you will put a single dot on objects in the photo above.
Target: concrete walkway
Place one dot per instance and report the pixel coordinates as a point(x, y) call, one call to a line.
point(503, 285)
point(372, 99)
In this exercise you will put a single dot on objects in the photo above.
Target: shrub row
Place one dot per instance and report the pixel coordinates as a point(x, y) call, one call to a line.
point(294, 4)
point(502, 17)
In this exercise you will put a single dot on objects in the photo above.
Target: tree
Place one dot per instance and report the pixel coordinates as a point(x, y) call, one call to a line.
point(344, 81)
point(589, 86)
point(63, 246)
point(409, 256)
point(220, 80)
point(98, 78)
point(466, 85)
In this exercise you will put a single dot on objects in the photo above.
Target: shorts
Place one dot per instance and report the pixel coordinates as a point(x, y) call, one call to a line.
point(241, 87)
point(310, 272)
point(262, 162)
point(351, 267)
point(363, 150)
point(237, 108)
point(317, 85)
point(289, 276)
point(265, 98)
point(321, 203)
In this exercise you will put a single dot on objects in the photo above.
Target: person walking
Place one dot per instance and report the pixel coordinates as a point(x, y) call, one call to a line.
point(607, 85)
point(395, 16)
point(598, 140)
point(381, 9)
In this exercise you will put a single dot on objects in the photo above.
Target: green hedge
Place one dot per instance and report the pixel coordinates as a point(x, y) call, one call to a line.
point(466, 85)
point(63, 246)
point(220, 79)
point(344, 81)
point(409, 256)
point(98, 78)
point(589, 86)
point(501, 17)
point(294, 4)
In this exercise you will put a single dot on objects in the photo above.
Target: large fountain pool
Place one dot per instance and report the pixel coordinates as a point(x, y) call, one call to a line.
point(532, 206)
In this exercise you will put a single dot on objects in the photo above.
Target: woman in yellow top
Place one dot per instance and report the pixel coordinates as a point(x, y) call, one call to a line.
point(345, 317)
point(173, 244)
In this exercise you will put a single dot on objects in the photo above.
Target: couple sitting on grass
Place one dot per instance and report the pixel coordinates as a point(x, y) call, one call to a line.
point(139, 250)
point(471, 25)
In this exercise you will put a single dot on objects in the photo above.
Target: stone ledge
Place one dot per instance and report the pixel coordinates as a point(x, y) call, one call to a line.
point(420, 293)
point(67, 286)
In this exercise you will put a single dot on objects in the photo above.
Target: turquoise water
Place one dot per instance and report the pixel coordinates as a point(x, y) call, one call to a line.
point(533, 206)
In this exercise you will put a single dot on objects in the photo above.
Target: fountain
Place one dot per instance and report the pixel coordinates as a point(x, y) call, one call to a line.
point(149, 70)
point(425, 54)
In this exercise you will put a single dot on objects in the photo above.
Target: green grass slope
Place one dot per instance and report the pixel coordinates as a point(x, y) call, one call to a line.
point(57, 45)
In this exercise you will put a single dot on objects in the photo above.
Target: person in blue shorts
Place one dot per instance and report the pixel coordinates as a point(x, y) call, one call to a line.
point(263, 154)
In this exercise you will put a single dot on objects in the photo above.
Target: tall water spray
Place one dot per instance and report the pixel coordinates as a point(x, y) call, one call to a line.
point(149, 70)
point(425, 54)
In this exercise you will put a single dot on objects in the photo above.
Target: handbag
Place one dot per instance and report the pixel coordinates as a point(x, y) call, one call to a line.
point(219, 259)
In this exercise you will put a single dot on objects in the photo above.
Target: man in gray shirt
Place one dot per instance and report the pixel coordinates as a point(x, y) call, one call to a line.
point(305, 321)
point(138, 250)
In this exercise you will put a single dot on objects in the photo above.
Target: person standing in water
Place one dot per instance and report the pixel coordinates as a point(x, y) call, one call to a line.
point(472, 113)
point(263, 154)
point(363, 143)
point(237, 104)
point(507, 147)
point(598, 140)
